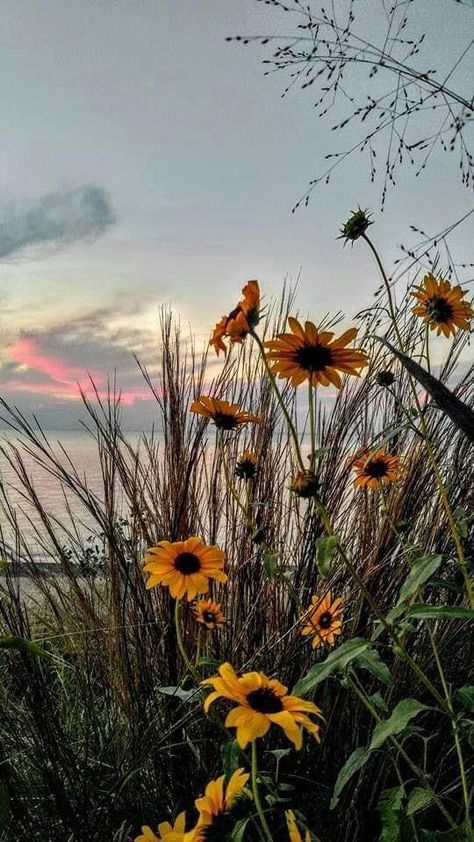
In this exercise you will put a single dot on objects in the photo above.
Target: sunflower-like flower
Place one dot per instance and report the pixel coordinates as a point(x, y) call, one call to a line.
point(217, 807)
point(247, 465)
point(442, 306)
point(225, 415)
point(261, 702)
point(208, 613)
point(305, 484)
point(376, 468)
point(323, 620)
point(185, 567)
point(168, 833)
point(240, 321)
point(309, 354)
point(293, 832)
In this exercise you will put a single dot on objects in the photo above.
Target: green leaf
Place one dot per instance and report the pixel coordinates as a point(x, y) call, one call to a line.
point(354, 762)
point(456, 834)
point(372, 662)
point(182, 695)
point(325, 548)
point(206, 661)
point(230, 753)
point(421, 571)
point(270, 564)
point(390, 808)
point(336, 661)
point(402, 714)
point(419, 799)
point(440, 612)
point(378, 702)
point(22, 645)
point(462, 521)
point(465, 696)
point(238, 833)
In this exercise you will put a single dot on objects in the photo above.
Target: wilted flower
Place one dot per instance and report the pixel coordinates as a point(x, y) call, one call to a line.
point(356, 225)
point(225, 415)
point(240, 321)
point(305, 484)
point(247, 465)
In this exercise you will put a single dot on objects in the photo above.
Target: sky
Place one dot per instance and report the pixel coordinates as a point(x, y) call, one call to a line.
point(145, 161)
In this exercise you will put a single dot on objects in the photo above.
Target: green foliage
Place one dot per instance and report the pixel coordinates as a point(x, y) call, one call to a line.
point(335, 662)
point(326, 547)
point(419, 574)
point(390, 808)
point(402, 714)
point(420, 611)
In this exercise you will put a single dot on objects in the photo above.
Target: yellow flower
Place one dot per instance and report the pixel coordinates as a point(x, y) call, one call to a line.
point(240, 321)
point(208, 613)
point(375, 469)
point(219, 799)
point(184, 566)
point(442, 306)
point(294, 834)
point(261, 702)
point(166, 833)
point(309, 354)
point(322, 620)
point(225, 415)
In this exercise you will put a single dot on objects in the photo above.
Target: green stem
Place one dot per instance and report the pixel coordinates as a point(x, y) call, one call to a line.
point(179, 639)
point(312, 424)
point(256, 795)
point(414, 768)
point(280, 400)
point(438, 478)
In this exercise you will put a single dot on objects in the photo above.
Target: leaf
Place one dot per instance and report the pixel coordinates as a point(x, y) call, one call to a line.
point(465, 696)
point(419, 799)
point(372, 662)
point(456, 834)
point(440, 612)
point(421, 571)
point(22, 645)
point(460, 414)
point(182, 695)
point(402, 714)
point(206, 661)
point(337, 660)
point(325, 548)
point(238, 833)
point(390, 808)
point(230, 753)
point(378, 702)
point(270, 564)
point(354, 762)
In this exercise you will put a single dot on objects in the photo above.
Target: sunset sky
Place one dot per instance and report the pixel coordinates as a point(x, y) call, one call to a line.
point(145, 160)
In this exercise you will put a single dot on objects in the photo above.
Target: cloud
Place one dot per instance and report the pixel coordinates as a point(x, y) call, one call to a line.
point(58, 218)
point(53, 364)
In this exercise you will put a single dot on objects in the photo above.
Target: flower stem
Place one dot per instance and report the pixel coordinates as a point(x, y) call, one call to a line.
point(179, 639)
point(280, 400)
point(424, 430)
point(256, 795)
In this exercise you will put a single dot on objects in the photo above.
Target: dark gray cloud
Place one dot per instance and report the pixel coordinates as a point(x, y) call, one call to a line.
point(58, 219)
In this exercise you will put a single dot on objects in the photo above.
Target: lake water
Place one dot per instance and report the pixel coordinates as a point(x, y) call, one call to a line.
point(81, 449)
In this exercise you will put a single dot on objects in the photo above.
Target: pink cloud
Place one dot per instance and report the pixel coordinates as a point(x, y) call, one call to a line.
point(65, 381)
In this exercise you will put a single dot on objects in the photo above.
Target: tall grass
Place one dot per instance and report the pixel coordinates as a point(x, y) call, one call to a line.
point(93, 742)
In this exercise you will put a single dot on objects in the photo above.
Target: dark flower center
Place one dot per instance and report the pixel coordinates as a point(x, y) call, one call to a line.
point(325, 620)
point(376, 468)
point(264, 700)
point(225, 422)
point(208, 616)
point(313, 357)
point(439, 310)
point(187, 563)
